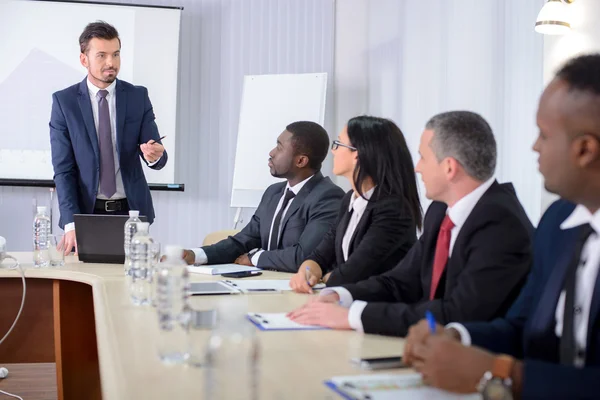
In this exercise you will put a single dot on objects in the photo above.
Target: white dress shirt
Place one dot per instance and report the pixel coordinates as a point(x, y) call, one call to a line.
point(200, 255)
point(458, 213)
point(111, 98)
point(584, 286)
point(358, 204)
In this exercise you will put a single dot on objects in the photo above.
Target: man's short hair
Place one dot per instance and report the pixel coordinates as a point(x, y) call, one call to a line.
point(582, 73)
point(311, 139)
point(466, 137)
point(100, 30)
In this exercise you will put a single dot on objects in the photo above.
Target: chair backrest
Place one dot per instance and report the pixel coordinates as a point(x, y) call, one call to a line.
point(217, 236)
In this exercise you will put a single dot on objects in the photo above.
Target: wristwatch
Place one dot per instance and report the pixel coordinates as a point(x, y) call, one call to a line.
point(496, 384)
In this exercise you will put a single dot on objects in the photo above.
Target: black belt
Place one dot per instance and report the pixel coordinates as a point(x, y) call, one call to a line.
point(111, 205)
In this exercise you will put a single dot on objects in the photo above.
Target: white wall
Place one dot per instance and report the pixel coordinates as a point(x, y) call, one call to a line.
point(583, 38)
point(428, 56)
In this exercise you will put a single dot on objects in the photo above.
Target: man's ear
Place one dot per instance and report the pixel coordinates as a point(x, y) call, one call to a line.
point(302, 161)
point(451, 166)
point(587, 148)
point(84, 60)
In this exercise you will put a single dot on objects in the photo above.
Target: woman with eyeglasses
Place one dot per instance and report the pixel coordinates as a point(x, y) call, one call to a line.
point(378, 218)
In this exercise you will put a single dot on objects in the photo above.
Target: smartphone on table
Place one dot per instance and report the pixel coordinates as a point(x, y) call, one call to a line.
point(242, 274)
point(379, 363)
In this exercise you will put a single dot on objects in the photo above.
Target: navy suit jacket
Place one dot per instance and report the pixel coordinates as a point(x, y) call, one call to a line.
point(527, 331)
point(75, 153)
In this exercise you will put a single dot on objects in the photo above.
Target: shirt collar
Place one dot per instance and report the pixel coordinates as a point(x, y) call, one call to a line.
point(461, 210)
point(298, 186)
point(581, 215)
point(358, 203)
point(93, 89)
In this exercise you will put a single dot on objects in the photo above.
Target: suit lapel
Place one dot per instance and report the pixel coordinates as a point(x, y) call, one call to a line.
point(88, 116)
point(266, 227)
point(339, 237)
point(300, 197)
point(594, 309)
point(121, 106)
point(544, 315)
point(361, 223)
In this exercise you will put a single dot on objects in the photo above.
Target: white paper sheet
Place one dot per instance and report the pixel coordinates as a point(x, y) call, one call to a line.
point(391, 387)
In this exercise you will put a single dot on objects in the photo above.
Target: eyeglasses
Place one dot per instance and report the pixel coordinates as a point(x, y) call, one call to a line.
point(337, 143)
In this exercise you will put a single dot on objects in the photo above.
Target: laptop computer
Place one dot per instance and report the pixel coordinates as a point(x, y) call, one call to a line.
point(100, 238)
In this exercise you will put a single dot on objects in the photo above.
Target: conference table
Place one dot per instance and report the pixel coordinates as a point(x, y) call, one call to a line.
point(80, 317)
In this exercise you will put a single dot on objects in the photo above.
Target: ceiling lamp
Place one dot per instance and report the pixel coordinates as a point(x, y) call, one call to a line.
point(554, 18)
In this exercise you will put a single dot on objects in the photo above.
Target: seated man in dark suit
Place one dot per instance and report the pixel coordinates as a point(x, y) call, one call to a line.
point(472, 258)
point(549, 342)
point(292, 216)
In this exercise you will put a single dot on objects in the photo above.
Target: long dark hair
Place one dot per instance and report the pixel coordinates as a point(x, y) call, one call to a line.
point(384, 157)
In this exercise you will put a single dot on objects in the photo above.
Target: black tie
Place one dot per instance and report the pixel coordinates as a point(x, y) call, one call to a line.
point(275, 232)
point(567, 340)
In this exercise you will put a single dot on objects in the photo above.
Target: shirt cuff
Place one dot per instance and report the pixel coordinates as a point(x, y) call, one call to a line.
point(200, 256)
point(465, 336)
point(255, 257)
point(345, 296)
point(355, 315)
point(70, 227)
point(152, 163)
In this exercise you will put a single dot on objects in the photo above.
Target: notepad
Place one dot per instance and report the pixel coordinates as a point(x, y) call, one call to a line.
point(219, 269)
point(278, 322)
point(390, 387)
point(263, 285)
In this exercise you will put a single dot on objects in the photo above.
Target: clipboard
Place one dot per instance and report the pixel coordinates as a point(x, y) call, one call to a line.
point(279, 322)
point(390, 387)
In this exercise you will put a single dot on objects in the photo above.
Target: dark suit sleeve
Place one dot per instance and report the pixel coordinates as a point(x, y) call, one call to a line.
point(389, 229)
point(321, 217)
point(324, 254)
point(504, 335)
point(497, 259)
point(149, 131)
point(227, 250)
point(64, 163)
point(402, 283)
point(544, 380)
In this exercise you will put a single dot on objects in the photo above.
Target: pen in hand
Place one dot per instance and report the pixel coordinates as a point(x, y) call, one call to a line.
point(431, 321)
point(161, 138)
point(308, 276)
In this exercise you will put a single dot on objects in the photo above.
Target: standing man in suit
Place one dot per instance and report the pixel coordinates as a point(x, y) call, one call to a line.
point(548, 345)
point(474, 253)
point(98, 130)
point(292, 216)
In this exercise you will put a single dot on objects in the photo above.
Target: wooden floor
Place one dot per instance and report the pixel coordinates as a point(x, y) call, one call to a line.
point(30, 381)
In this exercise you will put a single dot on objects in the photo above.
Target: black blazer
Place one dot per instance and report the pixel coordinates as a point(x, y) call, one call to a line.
point(490, 260)
point(385, 233)
point(308, 218)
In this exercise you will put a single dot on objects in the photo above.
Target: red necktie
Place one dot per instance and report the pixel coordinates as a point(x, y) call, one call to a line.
point(442, 251)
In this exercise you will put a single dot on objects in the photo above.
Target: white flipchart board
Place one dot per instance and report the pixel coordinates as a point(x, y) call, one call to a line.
point(269, 104)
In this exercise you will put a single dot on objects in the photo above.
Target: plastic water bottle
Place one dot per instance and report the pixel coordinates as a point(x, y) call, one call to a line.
point(141, 264)
point(41, 230)
point(174, 312)
point(233, 351)
point(130, 231)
